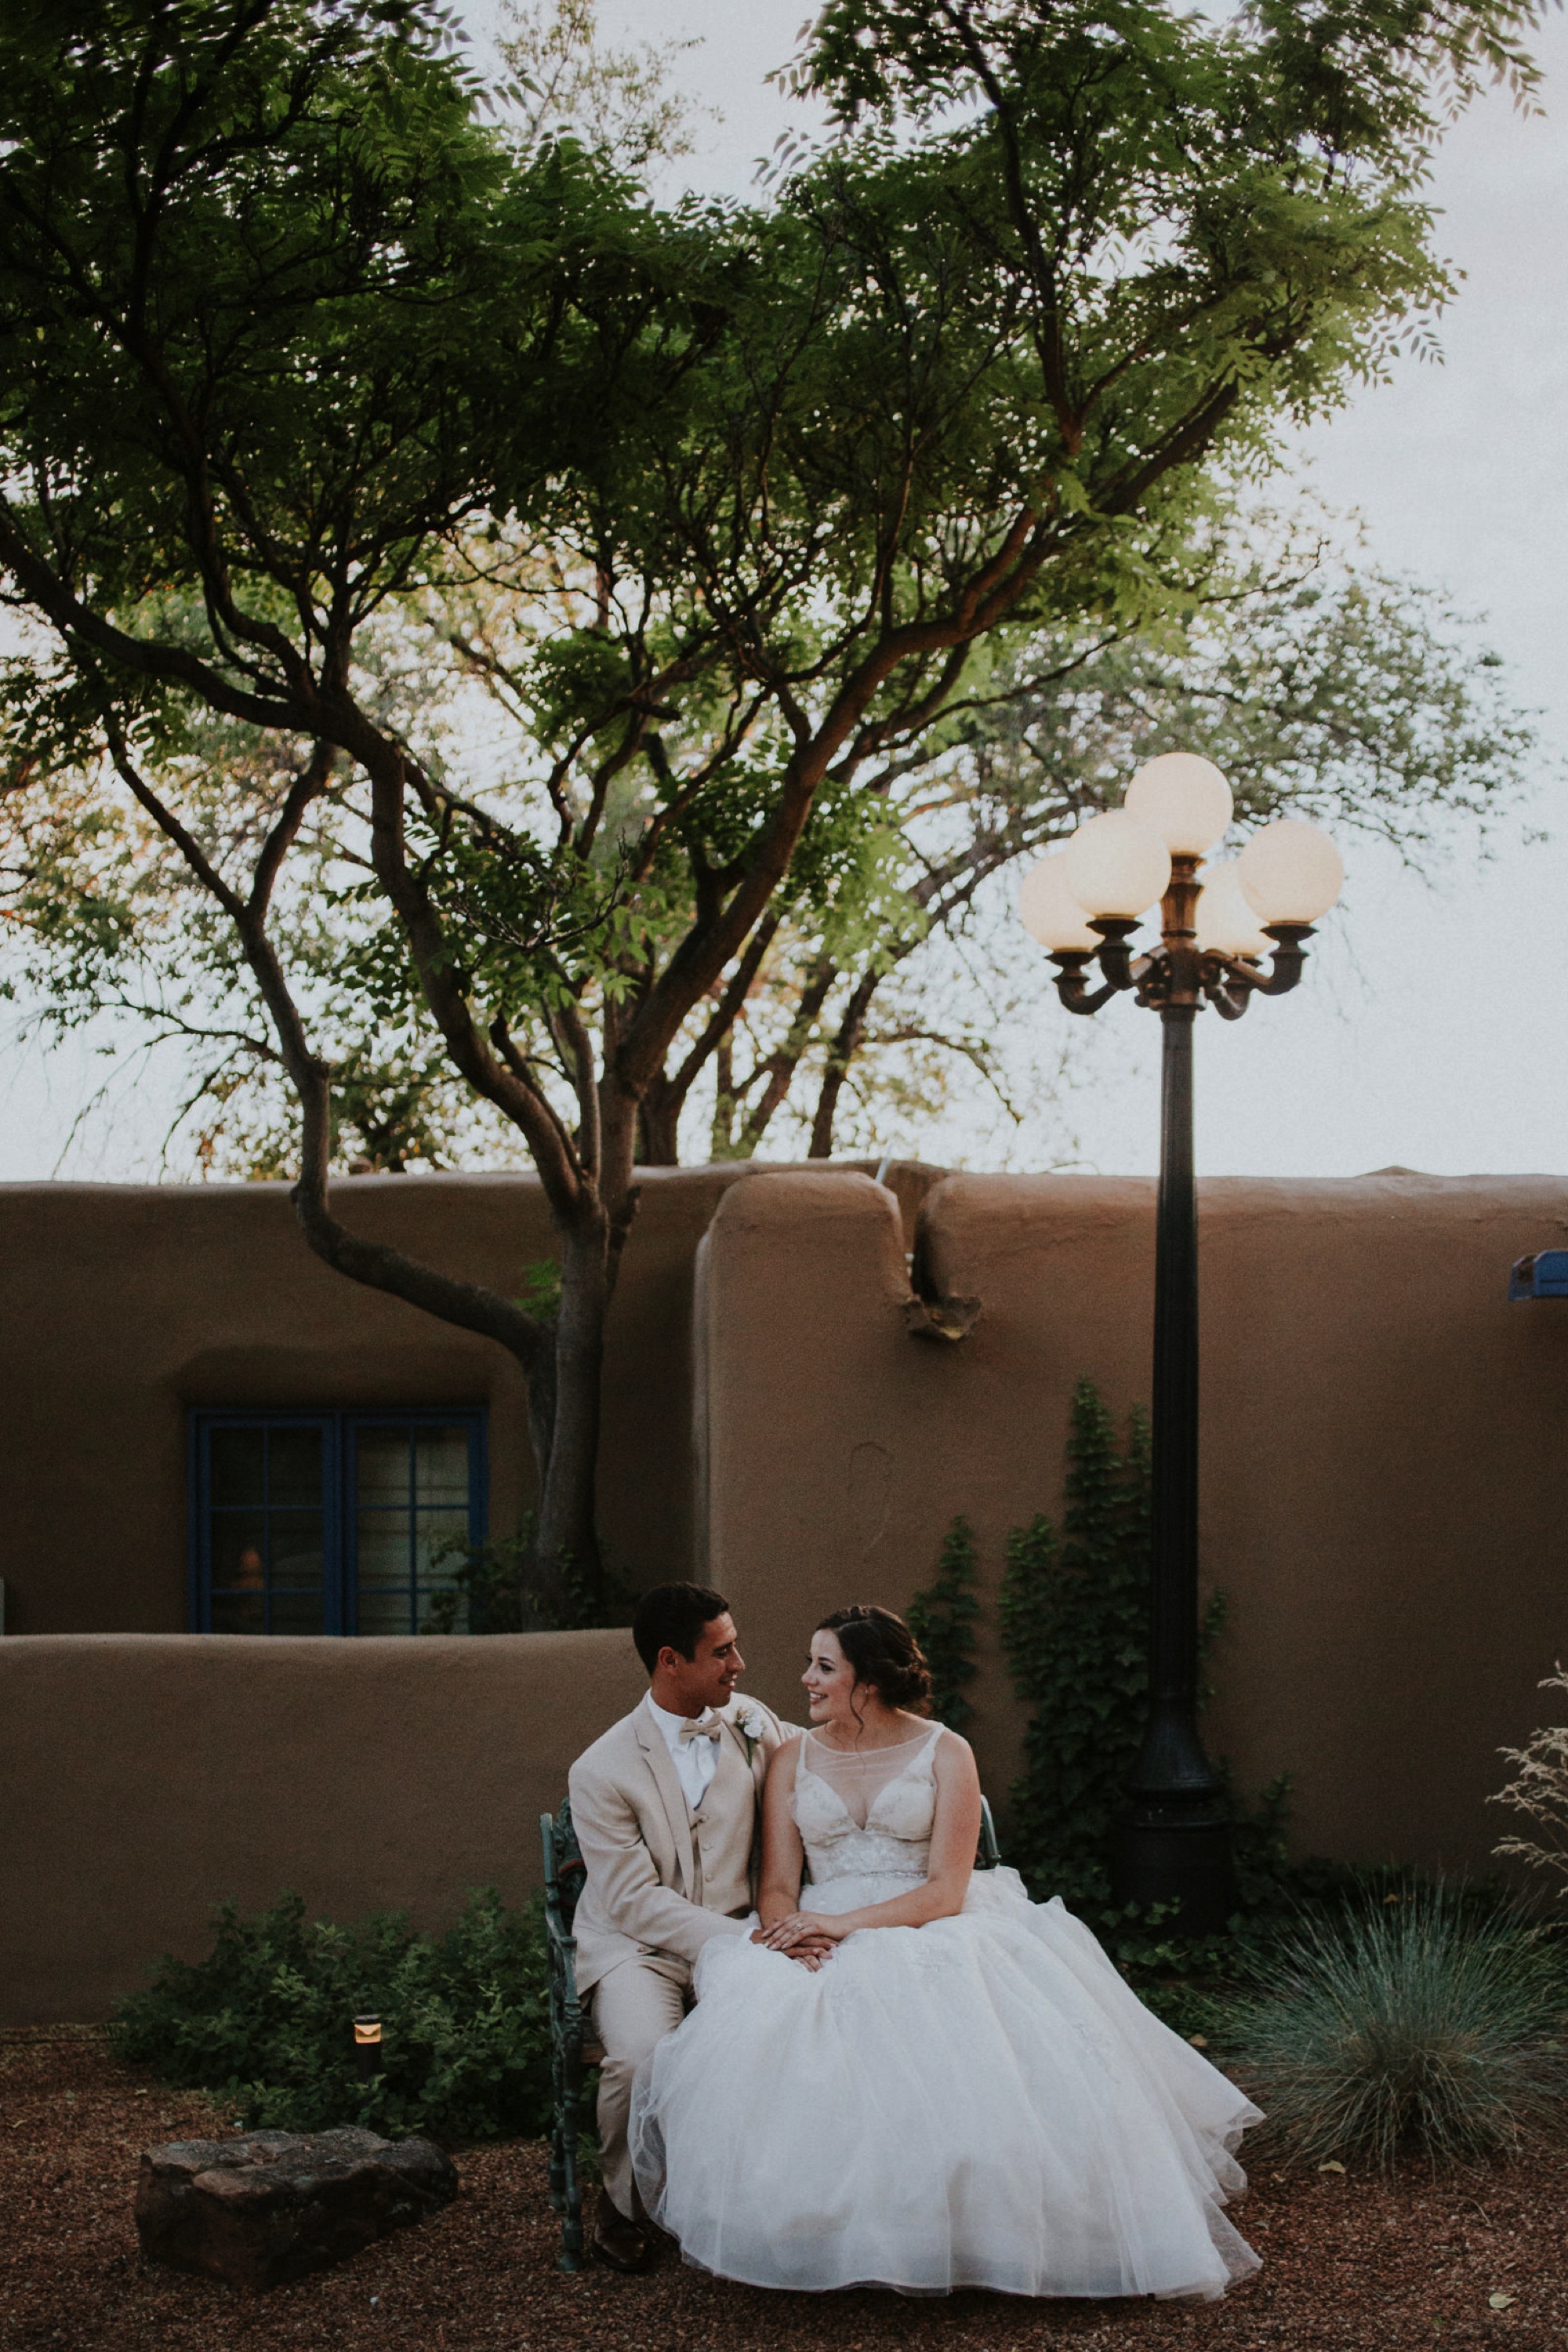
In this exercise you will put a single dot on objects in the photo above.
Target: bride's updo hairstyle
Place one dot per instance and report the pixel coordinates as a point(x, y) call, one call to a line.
point(884, 1654)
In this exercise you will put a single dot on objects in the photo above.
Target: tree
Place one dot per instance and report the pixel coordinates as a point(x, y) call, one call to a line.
point(1311, 677)
point(572, 84)
point(287, 339)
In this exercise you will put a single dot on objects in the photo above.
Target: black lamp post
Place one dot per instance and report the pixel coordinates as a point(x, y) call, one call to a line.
point(1175, 1846)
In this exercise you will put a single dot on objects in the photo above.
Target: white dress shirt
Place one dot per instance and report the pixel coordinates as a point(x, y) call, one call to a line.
point(695, 1761)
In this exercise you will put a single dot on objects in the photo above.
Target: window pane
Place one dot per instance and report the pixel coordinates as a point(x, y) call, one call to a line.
point(290, 1546)
point(437, 1545)
point(238, 1612)
point(441, 1466)
point(294, 1468)
point(294, 1613)
point(383, 1547)
point(236, 1466)
point(239, 1550)
point(381, 1465)
point(383, 1608)
point(297, 1550)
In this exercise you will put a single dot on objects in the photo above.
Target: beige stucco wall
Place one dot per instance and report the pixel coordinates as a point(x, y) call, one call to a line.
point(1385, 1490)
point(145, 1778)
point(1384, 1499)
point(122, 1307)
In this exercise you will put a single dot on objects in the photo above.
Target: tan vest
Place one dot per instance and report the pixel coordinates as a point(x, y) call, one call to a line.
point(723, 1862)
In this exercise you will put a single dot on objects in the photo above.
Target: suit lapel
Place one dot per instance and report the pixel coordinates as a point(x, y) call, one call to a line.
point(739, 1737)
point(661, 1764)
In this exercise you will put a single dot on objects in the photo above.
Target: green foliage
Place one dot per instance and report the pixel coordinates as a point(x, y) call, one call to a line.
point(1420, 2023)
point(541, 1291)
point(499, 1586)
point(1075, 1627)
point(941, 1620)
point(265, 2021)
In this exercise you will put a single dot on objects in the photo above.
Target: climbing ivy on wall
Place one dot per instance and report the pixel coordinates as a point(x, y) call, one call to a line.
point(1075, 1627)
point(1074, 1622)
point(941, 1620)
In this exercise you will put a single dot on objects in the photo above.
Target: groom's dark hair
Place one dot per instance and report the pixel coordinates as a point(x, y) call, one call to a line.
point(671, 1617)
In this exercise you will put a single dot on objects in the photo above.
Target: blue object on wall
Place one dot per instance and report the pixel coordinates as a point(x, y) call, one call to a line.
point(321, 1522)
point(1544, 1275)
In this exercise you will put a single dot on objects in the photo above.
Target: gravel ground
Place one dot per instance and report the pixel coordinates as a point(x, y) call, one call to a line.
point(1349, 2261)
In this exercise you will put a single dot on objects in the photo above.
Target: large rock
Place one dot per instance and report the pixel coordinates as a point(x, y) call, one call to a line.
point(271, 2206)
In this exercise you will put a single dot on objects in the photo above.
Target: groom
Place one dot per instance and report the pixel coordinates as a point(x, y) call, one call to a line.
point(667, 1807)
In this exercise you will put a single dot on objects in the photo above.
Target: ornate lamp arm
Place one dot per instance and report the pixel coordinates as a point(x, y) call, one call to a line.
point(1115, 961)
point(1230, 983)
point(1073, 987)
point(1290, 955)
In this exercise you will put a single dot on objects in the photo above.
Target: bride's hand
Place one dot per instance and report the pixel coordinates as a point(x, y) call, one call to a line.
point(800, 1926)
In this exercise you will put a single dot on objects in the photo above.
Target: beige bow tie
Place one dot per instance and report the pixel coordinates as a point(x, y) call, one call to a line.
point(708, 1727)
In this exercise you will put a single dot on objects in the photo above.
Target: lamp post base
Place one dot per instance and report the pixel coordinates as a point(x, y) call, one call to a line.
point(1189, 1862)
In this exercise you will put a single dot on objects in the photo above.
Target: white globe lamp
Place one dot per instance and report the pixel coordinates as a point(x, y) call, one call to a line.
point(1048, 910)
point(1225, 924)
point(1290, 872)
point(1183, 799)
point(1115, 867)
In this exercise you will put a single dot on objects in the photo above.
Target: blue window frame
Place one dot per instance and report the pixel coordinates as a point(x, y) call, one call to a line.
point(330, 1522)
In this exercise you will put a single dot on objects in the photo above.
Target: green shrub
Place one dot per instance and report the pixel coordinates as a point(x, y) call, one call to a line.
point(498, 1586)
point(941, 1620)
point(266, 2022)
point(1424, 2024)
point(1075, 1627)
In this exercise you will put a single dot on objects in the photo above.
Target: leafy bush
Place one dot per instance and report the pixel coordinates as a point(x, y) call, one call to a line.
point(1539, 1792)
point(941, 1620)
point(1423, 2023)
point(497, 1587)
point(266, 2021)
point(1075, 1626)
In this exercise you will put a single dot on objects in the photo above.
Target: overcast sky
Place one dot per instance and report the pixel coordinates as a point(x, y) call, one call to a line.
point(1430, 1030)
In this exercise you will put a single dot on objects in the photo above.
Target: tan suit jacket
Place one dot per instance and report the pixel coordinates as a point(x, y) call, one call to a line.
point(649, 1886)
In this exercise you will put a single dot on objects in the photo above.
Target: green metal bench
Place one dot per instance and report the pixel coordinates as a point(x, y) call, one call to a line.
point(574, 2049)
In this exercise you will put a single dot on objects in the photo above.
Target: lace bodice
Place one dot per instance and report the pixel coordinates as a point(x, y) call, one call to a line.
point(896, 1840)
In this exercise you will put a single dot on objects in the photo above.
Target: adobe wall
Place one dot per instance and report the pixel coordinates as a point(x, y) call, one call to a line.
point(1385, 1491)
point(1384, 1499)
point(147, 1778)
point(122, 1306)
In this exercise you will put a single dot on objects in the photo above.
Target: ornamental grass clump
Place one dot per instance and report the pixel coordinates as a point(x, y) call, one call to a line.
point(1419, 2025)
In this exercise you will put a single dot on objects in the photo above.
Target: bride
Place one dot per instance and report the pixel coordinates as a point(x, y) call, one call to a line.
point(965, 2092)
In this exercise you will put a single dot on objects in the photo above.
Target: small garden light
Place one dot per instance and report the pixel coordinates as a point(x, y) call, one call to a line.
point(367, 2048)
point(1215, 932)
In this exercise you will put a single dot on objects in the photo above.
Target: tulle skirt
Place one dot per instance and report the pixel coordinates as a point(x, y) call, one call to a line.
point(980, 2102)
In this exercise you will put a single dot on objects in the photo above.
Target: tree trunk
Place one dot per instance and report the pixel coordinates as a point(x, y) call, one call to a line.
point(564, 1417)
point(571, 1573)
point(659, 1124)
point(844, 1047)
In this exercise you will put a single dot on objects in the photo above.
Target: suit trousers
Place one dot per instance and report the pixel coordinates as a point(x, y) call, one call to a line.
point(634, 2006)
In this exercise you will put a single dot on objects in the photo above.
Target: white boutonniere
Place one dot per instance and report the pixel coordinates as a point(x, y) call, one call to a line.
point(752, 1725)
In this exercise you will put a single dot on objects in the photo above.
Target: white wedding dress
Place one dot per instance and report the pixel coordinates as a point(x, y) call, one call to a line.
point(979, 2102)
